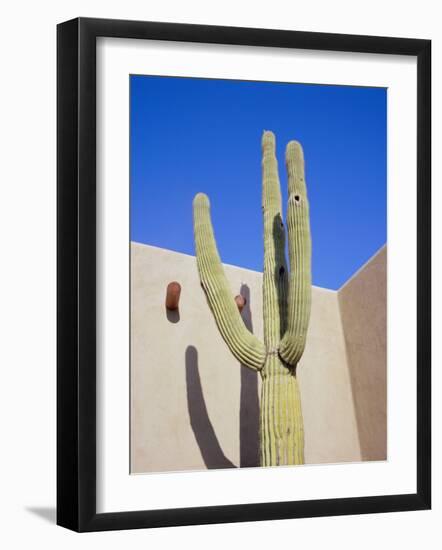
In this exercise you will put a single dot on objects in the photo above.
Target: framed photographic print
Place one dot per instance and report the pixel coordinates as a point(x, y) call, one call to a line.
point(233, 344)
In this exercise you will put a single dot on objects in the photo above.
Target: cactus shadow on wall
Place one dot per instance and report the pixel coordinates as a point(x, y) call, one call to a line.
point(205, 436)
point(202, 427)
point(249, 401)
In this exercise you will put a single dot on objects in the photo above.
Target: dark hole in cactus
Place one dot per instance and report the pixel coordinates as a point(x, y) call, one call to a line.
point(281, 271)
point(297, 197)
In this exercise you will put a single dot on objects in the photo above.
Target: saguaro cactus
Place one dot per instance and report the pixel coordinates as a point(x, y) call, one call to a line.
point(286, 302)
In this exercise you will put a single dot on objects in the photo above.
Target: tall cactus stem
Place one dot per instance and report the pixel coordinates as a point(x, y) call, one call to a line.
point(286, 302)
point(275, 265)
point(281, 425)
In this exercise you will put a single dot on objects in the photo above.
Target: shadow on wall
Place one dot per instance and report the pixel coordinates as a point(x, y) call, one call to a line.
point(173, 316)
point(249, 402)
point(208, 443)
point(205, 436)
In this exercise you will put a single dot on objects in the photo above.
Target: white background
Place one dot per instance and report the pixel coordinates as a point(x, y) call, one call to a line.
point(27, 218)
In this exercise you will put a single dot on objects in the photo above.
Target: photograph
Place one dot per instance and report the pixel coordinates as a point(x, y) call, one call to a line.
point(220, 317)
point(258, 274)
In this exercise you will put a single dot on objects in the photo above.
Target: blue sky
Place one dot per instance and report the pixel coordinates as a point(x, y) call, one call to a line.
point(189, 135)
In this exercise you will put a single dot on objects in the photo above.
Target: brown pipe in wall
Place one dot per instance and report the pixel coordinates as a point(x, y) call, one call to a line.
point(240, 302)
point(173, 293)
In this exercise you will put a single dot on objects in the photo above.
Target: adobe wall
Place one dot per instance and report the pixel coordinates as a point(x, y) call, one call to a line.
point(194, 407)
point(362, 303)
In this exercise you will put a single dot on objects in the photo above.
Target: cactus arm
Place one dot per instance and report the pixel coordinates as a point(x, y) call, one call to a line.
point(246, 347)
point(299, 243)
point(275, 266)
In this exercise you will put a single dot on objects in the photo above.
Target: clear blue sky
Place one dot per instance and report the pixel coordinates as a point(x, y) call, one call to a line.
point(189, 135)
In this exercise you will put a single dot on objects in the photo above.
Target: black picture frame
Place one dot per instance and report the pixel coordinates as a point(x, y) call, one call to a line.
point(77, 288)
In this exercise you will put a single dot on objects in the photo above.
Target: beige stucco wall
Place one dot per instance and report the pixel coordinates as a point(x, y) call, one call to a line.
point(192, 405)
point(363, 301)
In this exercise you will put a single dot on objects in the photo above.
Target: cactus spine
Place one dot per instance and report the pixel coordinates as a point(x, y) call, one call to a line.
point(286, 302)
